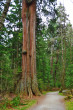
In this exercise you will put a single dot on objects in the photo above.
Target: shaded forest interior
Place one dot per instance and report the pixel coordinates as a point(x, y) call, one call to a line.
point(51, 60)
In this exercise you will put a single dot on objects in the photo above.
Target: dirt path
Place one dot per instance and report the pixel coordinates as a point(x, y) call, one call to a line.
point(52, 101)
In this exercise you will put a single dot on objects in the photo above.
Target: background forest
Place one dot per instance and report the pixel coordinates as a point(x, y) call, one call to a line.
point(54, 47)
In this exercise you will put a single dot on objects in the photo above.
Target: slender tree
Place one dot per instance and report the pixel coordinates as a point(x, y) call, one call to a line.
point(3, 16)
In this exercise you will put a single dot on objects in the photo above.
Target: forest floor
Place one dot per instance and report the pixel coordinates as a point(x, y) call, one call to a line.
point(51, 101)
point(47, 101)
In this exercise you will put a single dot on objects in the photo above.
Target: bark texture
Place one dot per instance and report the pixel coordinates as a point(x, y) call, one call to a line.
point(28, 83)
point(3, 16)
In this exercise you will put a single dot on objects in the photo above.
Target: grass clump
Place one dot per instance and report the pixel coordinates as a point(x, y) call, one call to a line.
point(69, 104)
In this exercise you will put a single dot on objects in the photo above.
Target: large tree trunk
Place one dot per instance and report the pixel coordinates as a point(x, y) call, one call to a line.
point(28, 83)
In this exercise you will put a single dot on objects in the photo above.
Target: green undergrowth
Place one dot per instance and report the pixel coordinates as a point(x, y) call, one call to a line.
point(28, 105)
point(69, 104)
point(16, 104)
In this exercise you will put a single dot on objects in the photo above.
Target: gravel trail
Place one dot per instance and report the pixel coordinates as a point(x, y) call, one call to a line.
point(51, 101)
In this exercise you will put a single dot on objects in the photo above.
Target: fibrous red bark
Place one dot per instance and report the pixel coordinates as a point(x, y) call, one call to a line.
point(28, 83)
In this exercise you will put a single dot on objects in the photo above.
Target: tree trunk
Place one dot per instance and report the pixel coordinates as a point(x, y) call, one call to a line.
point(54, 76)
point(70, 46)
point(51, 62)
point(63, 63)
point(3, 16)
point(28, 83)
